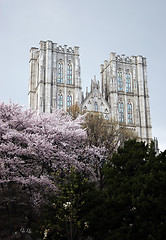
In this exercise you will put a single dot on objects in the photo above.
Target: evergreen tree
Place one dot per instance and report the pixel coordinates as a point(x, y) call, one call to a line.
point(134, 196)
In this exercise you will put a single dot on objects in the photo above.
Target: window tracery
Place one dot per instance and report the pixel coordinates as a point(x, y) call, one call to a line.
point(69, 101)
point(60, 72)
point(69, 73)
point(60, 101)
point(121, 112)
point(129, 113)
point(120, 83)
point(95, 107)
point(106, 117)
point(128, 82)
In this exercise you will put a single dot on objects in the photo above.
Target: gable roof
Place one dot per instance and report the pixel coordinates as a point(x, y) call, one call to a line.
point(94, 100)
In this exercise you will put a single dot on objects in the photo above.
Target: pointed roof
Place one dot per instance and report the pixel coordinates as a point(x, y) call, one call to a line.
point(94, 100)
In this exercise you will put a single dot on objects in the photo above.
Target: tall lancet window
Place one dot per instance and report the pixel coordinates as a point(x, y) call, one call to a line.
point(120, 83)
point(60, 101)
point(121, 112)
point(69, 101)
point(129, 113)
point(95, 107)
point(128, 82)
point(60, 72)
point(69, 73)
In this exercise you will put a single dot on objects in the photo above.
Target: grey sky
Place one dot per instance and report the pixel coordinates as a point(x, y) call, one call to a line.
point(98, 28)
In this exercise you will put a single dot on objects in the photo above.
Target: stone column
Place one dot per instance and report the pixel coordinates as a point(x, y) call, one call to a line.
point(148, 117)
point(41, 90)
point(65, 79)
point(78, 94)
point(141, 91)
point(113, 94)
point(54, 78)
point(48, 76)
point(33, 78)
point(105, 78)
point(136, 110)
point(102, 80)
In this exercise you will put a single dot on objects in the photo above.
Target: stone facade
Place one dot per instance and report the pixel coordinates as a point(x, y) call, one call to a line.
point(54, 77)
point(124, 86)
point(94, 101)
point(55, 82)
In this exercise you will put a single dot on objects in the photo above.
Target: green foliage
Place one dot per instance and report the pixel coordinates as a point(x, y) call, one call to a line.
point(64, 217)
point(135, 193)
point(131, 204)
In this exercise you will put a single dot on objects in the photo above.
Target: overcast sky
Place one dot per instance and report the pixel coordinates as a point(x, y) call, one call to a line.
point(130, 27)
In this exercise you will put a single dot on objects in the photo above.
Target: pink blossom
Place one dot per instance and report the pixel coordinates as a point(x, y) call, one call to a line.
point(33, 147)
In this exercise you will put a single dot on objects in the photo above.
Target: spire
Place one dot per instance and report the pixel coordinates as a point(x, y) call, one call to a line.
point(86, 91)
point(94, 84)
point(95, 79)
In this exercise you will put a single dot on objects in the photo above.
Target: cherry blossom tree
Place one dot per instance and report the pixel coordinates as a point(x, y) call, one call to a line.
point(34, 147)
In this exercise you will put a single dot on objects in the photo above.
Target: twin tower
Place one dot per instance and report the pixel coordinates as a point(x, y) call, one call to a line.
point(55, 83)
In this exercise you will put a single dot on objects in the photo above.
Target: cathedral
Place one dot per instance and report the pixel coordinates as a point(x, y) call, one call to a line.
point(122, 95)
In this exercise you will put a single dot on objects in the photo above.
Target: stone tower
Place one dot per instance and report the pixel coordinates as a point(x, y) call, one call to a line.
point(54, 77)
point(124, 86)
point(55, 83)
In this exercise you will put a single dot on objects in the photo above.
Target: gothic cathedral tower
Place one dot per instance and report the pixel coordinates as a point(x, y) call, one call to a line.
point(54, 77)
point(55, 83)
point(124, 86)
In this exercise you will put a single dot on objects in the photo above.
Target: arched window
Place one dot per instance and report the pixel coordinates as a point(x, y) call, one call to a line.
point(129, 113)
point(60, 72)
point(106, 117)
point(95, 107)
point(60, 101)
point(120, 83)
point(69, 101)
point(128, 82)
point(69, 74)
point(121, 112)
